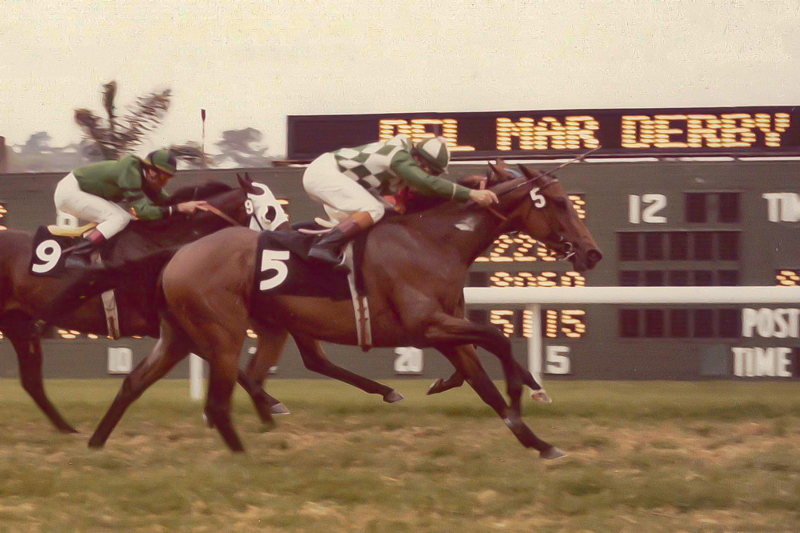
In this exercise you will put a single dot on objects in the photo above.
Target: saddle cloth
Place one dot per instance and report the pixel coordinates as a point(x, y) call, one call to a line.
point(47, 258)
point(282, 268)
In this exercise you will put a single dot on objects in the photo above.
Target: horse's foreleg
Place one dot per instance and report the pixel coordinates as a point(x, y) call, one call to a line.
point(168, 351)
point(467, 364)
point(442, 385)
point(446, 330)
point(221, 380)
point(269, 347)
point(456, 380)
point(29, 357)
point(315, 360)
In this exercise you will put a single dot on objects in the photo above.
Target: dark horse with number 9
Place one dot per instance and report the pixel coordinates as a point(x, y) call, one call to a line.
point(23, 296)
point(414, 269)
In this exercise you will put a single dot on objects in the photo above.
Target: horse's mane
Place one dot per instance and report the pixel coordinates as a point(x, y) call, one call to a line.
point(199, 192)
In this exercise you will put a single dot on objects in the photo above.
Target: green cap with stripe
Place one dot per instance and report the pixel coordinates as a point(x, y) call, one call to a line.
point(163, 160)
point(435, 152)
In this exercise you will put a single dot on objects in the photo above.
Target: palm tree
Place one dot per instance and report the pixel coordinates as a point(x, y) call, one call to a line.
point(114, 137)
point(192, 153)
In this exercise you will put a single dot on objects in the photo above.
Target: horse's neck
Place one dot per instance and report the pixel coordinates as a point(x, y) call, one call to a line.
point(140, 239)
point(464, 232)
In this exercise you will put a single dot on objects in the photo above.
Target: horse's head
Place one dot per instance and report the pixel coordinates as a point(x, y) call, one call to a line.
point(260, 205)
point(537, 204)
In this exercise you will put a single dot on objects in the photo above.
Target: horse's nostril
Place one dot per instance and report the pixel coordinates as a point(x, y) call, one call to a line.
point(594, 256)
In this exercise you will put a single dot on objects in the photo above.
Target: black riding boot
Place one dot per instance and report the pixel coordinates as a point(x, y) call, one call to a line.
point(79, 257)
point(328, 248)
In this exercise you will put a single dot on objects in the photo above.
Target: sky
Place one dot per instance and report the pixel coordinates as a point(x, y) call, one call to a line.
point(252, 63)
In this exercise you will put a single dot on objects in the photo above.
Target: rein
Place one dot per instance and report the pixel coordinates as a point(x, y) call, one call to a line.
point(210, 208)
point(540, 176)
point(537, 179)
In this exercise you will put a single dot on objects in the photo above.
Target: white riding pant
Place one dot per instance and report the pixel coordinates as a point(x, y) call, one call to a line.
point(70, 199)
point(339, 195)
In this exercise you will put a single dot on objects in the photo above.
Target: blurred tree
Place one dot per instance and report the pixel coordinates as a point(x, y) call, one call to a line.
point(192, 153)
point(236, 146)
point(114, 137)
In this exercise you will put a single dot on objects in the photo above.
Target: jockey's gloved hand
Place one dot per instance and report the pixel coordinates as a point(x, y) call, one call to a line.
point(483, 197)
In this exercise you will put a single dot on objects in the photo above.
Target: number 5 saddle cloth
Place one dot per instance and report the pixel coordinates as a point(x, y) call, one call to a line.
point(282, 268)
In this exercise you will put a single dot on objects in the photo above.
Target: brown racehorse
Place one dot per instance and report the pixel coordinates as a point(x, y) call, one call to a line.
point(23, 296)
point(414, 269)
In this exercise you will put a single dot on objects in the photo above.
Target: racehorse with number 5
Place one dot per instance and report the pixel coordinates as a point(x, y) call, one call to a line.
point(414, 269)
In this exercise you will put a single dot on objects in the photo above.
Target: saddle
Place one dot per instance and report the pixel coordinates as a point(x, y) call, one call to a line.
point(59, 231)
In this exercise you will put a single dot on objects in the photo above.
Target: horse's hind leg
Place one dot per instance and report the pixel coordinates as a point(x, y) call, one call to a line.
point(29, 357)
point(315, 360)
point(172, 346)
point(466, 362)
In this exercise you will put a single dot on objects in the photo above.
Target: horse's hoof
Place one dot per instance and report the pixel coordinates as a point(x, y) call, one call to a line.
point(278, 410)
point(393, 397)
point(96, 445)
point(435, 388)
point(208, 421)
point(552, 454)
point(540, 396)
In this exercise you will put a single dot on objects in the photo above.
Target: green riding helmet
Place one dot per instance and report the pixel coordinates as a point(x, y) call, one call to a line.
point(435, 152)
point(163, 160)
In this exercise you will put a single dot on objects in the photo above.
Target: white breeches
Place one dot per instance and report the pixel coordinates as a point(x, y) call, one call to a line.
point(339, 195)
point(70, 199)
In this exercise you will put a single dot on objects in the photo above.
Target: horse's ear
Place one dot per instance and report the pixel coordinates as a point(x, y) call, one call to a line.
point(501, 164)
point(529, 174)
point(246, 184)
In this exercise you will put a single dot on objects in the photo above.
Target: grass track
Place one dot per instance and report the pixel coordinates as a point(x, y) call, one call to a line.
point(652, 456)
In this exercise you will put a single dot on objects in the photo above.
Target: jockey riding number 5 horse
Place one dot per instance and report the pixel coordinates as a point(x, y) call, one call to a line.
point(350, 183)
point(414, 269)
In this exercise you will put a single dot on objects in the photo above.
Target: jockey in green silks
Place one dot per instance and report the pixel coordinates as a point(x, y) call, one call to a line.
point(93, 192)
point(349, 182)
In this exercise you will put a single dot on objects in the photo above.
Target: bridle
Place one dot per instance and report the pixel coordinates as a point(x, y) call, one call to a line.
point(250, 209)
point(543, 181)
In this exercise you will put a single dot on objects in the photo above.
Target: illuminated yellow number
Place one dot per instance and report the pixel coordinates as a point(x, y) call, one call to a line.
point(3, 212)
point(572, 323)
point(504, 319)
point(787, 278)
point(569, 323)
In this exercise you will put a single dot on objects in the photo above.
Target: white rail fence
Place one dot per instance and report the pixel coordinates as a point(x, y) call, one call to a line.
point(534, 297)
